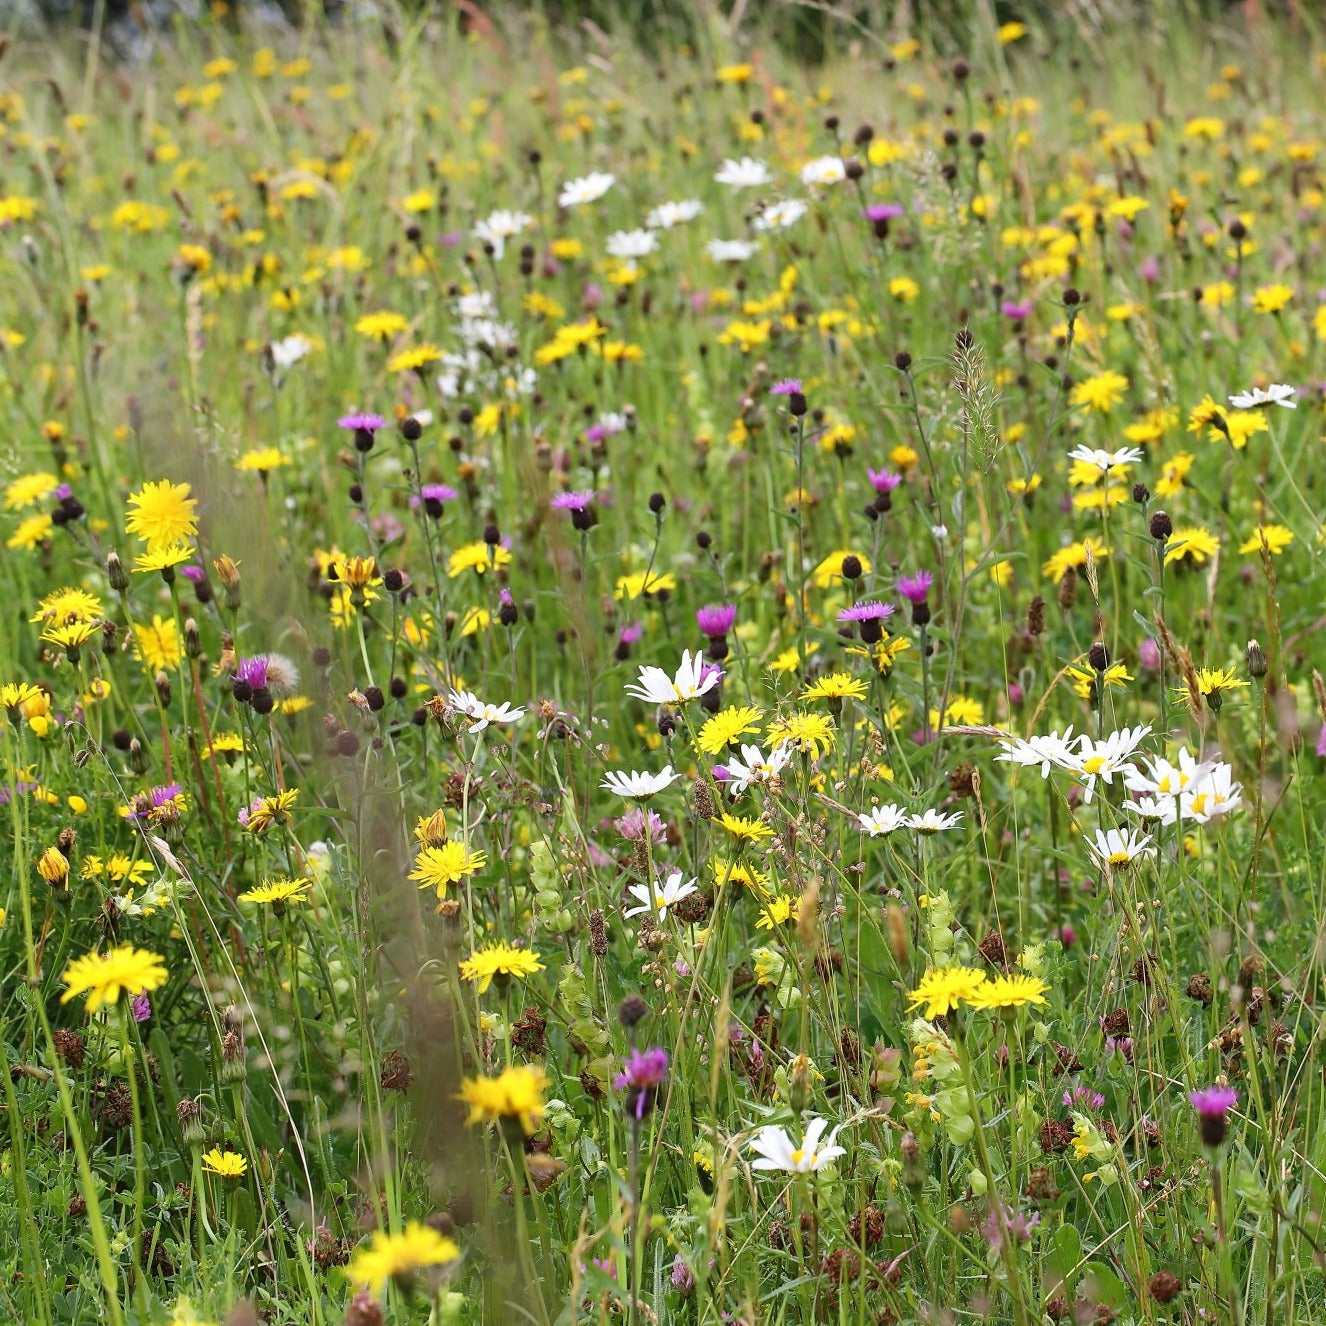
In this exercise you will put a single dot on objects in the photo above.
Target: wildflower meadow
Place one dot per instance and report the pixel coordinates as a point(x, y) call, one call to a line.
point(655, 681)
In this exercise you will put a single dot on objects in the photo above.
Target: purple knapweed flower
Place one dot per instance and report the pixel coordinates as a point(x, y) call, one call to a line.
point(1018, 310)
point(572, 501)
point(581, 507)
point(361, 423)
point(143, 805)
point(787, 387)
point(717, 621)
point(252, 671)
point(432, 497)
point(869, 616)
point(1213, 1104)
point(141, 1007)
point(916, 590)
point(645, 1072)
point(883, 481)
point(883, 211)
point(193, 573)
point(363, 426)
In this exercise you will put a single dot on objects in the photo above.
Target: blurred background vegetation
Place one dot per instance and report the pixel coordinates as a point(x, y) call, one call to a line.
point(810, 30)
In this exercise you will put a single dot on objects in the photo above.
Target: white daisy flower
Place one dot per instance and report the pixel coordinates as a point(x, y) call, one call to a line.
point(754, 767)
point(588, 189)
point(881, 820)
point(822, 171)
point(744, 174)
point(1156, 776)
point(1102, 759)
point(1104, 460)
point(778, 216)
point(1211, 796)
point(731, 250)
point(1115, 848)
point(1278, 393)
point(693, 678)
point(667, 215)
point(638, 785)
point(480, 713)
point(659, 897)
point(289, 350)
point(931, 821)
point(499, 227)
point(1049, 751)
point(777, 1150)
point(631, 244)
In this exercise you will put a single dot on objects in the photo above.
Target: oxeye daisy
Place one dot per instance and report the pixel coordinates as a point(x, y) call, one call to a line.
point(879, 821)
point(777, 1150)
point(659, 896)
point(753, 767)
point(1118, 848)
point(692, 679)
point(639, 785)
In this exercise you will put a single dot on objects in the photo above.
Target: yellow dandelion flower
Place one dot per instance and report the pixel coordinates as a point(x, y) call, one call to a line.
point(726, 726)
point(498, 960)
point(162, 514)
point(104, 977)
point(812, 734)
point(438, 867)
point(391, 1256)
point(225, 1164)
point(942, 989)
point(517, 1094)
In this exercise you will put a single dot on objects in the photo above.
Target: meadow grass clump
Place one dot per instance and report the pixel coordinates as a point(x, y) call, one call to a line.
point(665, 689)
